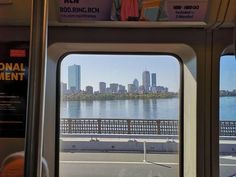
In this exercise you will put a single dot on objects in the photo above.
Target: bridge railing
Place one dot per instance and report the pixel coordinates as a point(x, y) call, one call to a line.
point(227, 128)
point(132, 126)
point(118, 126)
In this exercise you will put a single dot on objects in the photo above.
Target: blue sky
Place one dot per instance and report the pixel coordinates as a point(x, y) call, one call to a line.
point(228, 72)
point(123, 69)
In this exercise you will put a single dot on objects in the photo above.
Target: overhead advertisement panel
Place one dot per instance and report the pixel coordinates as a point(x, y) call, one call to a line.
point(132, 10)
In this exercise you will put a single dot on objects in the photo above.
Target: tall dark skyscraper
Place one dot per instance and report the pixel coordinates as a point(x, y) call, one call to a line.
point(146, 80)
point(154, 80)
point(74, 78)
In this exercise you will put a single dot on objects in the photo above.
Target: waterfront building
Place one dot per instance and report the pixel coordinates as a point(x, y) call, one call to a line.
point(154, 89)
point(72, 89)
point(161, 89)
point(108, 90)
point(136, 84)
point(63, 88)
point(154, 80)
point(141, 89)
point(131, 88)
point(102, 87)
point(74, 78)
point(114, 87)
point(89, 89)
point(121, 89)
point(146, 80)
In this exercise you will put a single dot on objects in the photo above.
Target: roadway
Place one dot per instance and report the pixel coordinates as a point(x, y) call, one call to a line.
point(95, 164)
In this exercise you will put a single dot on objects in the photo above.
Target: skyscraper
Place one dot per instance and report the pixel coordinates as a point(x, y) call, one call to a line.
point(74, 78)
point(136, 84)
point(154, 80)
point(146, 80)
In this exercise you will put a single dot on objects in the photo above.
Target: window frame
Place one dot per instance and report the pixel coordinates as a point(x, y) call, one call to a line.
point(189, 59)
point(219, 49)
point(181, 91)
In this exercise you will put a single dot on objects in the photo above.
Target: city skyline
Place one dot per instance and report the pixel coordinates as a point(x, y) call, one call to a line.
point(149, 83)
point(167, 67)
point(123, 69)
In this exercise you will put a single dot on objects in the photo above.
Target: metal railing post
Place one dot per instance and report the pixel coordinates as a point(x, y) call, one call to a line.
point(144, 152)
point(36, 88)
point(69, 126)
point(99, 126)
point(158, 127)
point(129, 128)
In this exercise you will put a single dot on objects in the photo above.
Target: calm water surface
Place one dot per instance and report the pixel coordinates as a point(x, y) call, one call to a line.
point(137, 109)
point(228, 108)
point(122, 109)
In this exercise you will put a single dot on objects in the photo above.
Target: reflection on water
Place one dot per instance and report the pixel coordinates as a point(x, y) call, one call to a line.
point(122, 109)
point(73, 108)
point(102, 108)
point(137, 109)
point(154, 107)
point(89, 108)
point(227, 108)
point(147, 110)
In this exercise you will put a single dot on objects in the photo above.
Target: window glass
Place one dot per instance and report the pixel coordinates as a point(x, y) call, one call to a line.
point(119, 115)
point(227, 122)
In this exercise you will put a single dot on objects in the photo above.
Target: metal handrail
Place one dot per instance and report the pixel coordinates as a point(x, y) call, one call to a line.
point(36, 88)
point(131, 126)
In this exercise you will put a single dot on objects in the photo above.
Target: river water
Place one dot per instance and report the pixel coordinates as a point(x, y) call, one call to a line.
point(167, 108)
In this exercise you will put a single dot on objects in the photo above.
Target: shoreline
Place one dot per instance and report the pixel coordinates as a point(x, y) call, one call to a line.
point(105, 97)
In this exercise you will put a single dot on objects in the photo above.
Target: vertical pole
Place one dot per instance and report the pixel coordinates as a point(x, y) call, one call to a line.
point(144, 152)
point(36, 88)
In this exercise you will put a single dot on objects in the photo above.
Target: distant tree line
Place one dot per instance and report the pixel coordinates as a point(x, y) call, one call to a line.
point(110, 96)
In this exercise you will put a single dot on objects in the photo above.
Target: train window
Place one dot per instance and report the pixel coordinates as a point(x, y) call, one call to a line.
point(227, 124)
point(120, 115)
